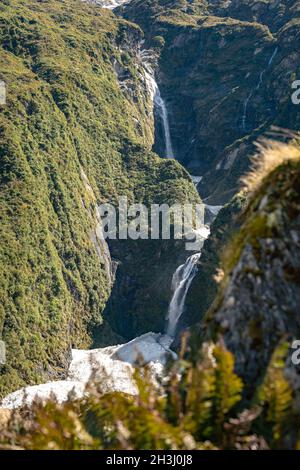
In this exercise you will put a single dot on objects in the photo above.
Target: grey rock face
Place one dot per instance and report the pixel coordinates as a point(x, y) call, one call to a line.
point(260, 304)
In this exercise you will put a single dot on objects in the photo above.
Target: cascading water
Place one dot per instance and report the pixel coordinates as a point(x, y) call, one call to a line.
point(158, 102)
point(185, 274)
point(162, 109)
point(182, 280)
point(261, 76)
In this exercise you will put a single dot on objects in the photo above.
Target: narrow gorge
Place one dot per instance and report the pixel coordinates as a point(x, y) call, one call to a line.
point(166, 336)
point(152, 348)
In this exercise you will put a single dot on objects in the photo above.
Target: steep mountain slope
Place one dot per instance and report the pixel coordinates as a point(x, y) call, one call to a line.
point(203, 406)
point(226, 70)
point(76, 131)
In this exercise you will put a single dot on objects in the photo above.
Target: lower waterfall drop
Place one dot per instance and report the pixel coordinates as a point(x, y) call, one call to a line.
point(181, 282)
point(184, 274)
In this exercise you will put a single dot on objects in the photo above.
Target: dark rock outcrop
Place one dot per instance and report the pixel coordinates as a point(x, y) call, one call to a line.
point(258, 305)
point(226, 71)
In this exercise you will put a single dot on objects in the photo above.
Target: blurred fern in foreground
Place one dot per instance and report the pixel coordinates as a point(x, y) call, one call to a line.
point(198, 407)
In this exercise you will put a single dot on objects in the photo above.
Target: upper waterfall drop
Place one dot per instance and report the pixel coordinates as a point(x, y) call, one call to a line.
point(162, 109)
point(158, 102)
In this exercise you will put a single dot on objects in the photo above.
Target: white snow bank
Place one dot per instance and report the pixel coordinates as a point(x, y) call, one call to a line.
point(111, 4)
point(112, 375)
point(111, 367)
point(60, 390)
point(150, 347)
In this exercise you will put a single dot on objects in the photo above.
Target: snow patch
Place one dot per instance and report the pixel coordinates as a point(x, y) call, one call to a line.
point(59, 390)
point(112, 367)
point(110, 4)
point(196, 179)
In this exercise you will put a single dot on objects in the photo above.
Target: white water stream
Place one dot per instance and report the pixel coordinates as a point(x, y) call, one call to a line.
point(257, 87)
point(182, 280)
point(158, 102)
point(162, 109)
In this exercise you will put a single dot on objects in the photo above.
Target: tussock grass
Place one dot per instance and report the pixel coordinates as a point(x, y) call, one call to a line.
point(271, 154)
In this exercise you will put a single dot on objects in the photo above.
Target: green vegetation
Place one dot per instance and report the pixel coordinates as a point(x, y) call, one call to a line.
point(273, 197)
point(77, 130)
point(199, 407)
point(281, 417)
point(71, 136)
point(257, 305)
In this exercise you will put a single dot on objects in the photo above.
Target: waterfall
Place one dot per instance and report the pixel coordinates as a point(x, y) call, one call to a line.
point(184, 274)
point(158, 102)
point(181, 282)
point(260, 81)
point(163, 112)
point(273, 56)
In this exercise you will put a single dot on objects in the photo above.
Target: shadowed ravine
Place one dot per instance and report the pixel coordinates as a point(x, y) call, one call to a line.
point(115, 364)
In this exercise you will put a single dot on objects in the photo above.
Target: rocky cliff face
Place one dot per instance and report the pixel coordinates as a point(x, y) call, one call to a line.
point(226, 70)
point(141, 292)
point(258, 305)
point(142, 289)
point(78, 130)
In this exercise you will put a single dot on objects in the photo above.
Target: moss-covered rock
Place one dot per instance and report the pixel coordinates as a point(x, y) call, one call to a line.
point(258, 303)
